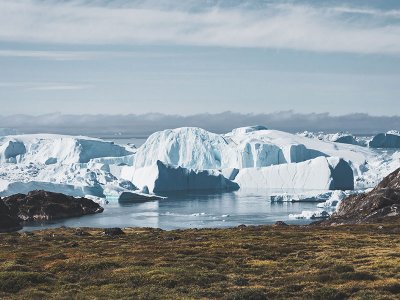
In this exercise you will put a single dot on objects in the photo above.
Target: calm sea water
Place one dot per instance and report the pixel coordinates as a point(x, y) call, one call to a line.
point(190, 211)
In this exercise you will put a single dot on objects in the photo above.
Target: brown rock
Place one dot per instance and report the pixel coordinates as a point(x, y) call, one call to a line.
point(382, 204)
point(42, 205)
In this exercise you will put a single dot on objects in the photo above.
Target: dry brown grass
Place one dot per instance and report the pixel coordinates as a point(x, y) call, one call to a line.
point(357, 262)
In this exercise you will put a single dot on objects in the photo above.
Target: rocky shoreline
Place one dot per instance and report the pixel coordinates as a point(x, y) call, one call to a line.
point(42, 206)
point(381, 205)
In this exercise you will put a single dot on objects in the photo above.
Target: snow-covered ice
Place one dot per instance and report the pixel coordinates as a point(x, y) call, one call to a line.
point(339, 137)
point(56, 149)
point(250, 147)
point(311, 215)
point(309, 196)
point(316, 174)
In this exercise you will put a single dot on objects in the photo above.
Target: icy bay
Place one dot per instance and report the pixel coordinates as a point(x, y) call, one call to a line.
point(251, 175)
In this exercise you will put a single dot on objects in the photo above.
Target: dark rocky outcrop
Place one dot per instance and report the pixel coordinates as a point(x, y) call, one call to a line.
point(42, 205)
point(8, 222)
point(129, 197)
point(280, 223)
point(113, 231)
point(381, 205)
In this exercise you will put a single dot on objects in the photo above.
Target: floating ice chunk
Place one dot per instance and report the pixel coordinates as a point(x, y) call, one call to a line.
point(311, 215)
point(198, 214)
point(312, 196)
point(334, 199)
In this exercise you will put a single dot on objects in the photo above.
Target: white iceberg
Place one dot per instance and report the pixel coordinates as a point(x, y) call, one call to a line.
point(305, 196)
point(56, 149)
point(11, 188)
point(251, 156)
point(246, 147)
point(165, 178)
point(339, 137)
point(391, 139)
point(311, 215)
point(316, 174)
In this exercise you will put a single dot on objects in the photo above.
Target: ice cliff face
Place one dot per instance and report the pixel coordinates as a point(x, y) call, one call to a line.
point(390, 139)
point(165, 178)
point(316, 174)
point(186, 147)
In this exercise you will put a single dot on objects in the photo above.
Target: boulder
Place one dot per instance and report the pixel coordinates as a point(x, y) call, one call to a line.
point(280, 224)
point(43, 205)
point(113, 231)
point(131, 197)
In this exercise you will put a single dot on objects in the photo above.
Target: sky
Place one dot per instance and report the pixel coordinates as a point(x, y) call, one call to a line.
point(121, 57)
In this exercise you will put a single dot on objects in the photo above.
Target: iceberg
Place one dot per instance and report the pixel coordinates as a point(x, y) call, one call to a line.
point(247, 147)
point(391, 139)
point(67, 189)
point(312, 196)
point(78, 179)
point(188, 159)
point(311, 215)
point(56, 149)
point(339, 137)
point(187, 147)
point(316, 174)
point(160, 178)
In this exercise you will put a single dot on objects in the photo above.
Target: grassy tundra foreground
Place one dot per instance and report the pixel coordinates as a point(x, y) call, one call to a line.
point(358, 261)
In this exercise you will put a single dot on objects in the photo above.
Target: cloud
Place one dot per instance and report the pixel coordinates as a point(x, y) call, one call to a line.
point(278, 26)
point(52, 55)
point(62, 87)
point(367, 11)
point(46, 86)
point(144, 125)
point(73, 55)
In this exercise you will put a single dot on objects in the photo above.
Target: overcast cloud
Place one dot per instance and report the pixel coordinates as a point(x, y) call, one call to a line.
point(144, 125)
point(272, 25)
